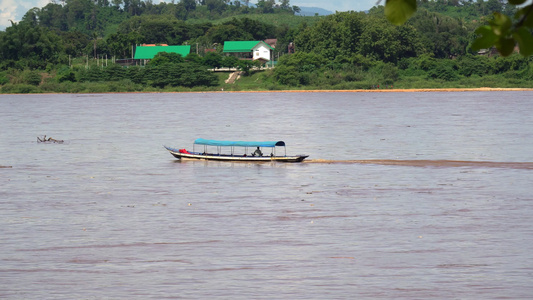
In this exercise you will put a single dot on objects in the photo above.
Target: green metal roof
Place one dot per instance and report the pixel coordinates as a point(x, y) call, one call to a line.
point(241, 46)
point(148, 52)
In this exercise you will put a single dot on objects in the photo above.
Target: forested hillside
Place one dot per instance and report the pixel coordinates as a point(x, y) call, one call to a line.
point(62, 47)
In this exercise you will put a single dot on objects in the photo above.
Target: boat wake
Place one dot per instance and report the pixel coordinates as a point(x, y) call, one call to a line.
point(430, 163)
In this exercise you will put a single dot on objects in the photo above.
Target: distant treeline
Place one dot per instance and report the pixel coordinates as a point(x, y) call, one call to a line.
point(343, 50)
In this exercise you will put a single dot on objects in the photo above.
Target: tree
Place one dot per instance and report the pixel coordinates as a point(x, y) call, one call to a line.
point(213, 60)
point(337, 34)
point(117, 3)
point(75, 42)
point(247, 65)
point(258, 30)
point(302, 61)
point(296, 9)
point(189, 5)
point(230, 61)
point(156, 30)
point(502, 31)
point(31, 16)
point(285, 5)
point(53, 16)
point(162, 58)
point(442, 35)
point(114, 72)
point(227, 32)
point(386, 42)
point(35, 45)
point(79, 13)
point(266, 6)
point(216, 6)
point(193, 57)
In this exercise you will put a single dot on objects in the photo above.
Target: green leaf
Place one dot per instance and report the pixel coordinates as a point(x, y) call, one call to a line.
point(501, 24)
point(486, 38)
point(525, 41)
point(505, 46)
point(398, 11)
point(529, 18)
point(516, 2)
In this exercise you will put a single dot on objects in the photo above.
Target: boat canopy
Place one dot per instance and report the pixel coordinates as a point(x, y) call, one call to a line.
point(270, 144)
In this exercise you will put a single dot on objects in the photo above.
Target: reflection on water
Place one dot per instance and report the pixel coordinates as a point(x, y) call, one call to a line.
point(404, 196)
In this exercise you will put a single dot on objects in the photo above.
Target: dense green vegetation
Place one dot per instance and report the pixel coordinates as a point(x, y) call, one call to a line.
point(72, 47)
point(510, 27)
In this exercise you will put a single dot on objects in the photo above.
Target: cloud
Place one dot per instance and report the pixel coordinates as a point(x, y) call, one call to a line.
point(8, 9)
point(14, 10)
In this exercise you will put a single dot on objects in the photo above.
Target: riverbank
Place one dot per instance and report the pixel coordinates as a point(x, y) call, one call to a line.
point(482, 89)
point(265, 81)
point(428, 90)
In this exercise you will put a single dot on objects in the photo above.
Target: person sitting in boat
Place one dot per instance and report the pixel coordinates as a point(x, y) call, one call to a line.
point(257, 152)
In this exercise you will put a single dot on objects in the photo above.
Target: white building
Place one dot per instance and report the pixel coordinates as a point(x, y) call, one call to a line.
point(255, 49)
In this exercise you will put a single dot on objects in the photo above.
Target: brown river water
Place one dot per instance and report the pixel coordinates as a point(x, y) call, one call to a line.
point(404, 196)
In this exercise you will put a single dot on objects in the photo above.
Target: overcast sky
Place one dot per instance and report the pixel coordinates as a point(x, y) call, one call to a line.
point(15, 9)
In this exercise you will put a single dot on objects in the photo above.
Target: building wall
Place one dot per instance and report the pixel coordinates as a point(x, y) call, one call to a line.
point(261, 51)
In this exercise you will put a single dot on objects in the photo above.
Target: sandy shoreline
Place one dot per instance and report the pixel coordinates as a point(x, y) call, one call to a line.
point(482, 89)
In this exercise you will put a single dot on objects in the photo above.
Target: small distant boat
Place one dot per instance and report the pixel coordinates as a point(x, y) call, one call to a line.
point(236, 151)
point(49, 140)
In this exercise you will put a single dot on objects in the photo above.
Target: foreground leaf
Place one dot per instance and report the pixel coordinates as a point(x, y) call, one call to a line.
point(398, 11)
point(486, 38)
point(505, 46)
point(501, 24)
point(516, 2)
point(525, 41)
point(528, 21)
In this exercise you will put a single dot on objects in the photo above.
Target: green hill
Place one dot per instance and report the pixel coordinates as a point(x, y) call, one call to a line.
point(73, 47)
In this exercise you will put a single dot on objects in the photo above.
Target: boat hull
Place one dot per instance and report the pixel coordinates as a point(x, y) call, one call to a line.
point(223, 157)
